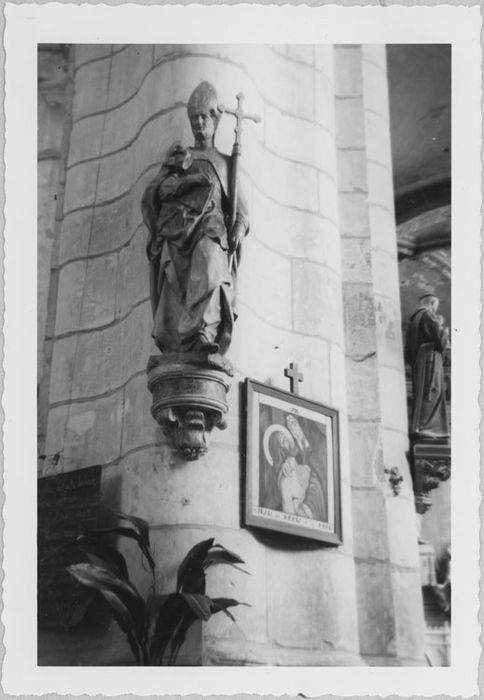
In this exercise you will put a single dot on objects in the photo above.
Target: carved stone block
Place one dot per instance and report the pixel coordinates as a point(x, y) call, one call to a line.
point(189, 398)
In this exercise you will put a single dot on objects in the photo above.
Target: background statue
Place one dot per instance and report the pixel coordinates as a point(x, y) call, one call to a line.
point(426, 340)
point(188, 213)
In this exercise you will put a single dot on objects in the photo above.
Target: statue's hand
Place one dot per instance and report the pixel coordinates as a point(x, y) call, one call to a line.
point(236, 237)
point(287, 468)
point(192, 180)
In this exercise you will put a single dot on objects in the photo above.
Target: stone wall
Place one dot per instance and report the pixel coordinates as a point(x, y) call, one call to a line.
point(314, 289)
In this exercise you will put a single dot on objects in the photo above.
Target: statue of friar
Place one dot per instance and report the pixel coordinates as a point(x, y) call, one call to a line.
point(187, 209)
point(426, 341)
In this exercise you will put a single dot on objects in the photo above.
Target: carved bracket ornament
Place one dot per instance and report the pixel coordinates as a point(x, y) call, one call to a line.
point(189, 398)
point(197, 219)
point(431, 466)
point(395, 479)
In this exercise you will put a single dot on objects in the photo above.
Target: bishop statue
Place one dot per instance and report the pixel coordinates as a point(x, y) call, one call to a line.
point(194, 230)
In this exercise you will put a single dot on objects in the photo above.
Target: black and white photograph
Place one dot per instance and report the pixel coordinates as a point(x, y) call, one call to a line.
point(249, 297)
point(232, 211)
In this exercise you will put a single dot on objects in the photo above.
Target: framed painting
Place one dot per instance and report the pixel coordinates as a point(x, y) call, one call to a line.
point(292, 474)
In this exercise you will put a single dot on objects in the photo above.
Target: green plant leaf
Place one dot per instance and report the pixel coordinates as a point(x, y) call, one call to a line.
point(191, 576)
point(221, 605)
point(100, 579)
point(114, 559)
point(199, 604)
point(96, 576)
point(97, 561)
point(180, 634)
point(231, 557)
point(115, 530)
point(153, 604)
point(149, 558)
point(217, 557)
point(124, 619)
point(143, 530)
point(132, 534)
point(140, 525)
point(166, 621)
point(80, 610)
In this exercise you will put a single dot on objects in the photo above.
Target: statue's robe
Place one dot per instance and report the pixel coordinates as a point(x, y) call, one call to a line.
point(426, 340)
point(186, 209)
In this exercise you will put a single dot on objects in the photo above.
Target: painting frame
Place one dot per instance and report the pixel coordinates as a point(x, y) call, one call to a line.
point(303, 484)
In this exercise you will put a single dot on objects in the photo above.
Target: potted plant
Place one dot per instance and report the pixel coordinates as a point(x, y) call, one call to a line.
point(155, 626)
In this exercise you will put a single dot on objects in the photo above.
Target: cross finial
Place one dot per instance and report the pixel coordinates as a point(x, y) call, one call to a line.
point(295, 377)
point(239, 115)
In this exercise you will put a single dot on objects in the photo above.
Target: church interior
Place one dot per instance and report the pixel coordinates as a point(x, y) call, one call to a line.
point(223, 333)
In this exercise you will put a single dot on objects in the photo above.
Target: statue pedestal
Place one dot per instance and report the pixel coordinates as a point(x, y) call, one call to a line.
point(430, 465)
point(189, 398)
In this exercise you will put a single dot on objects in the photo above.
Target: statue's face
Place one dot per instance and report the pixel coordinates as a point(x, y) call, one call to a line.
point(434, 304)
point(203, 127)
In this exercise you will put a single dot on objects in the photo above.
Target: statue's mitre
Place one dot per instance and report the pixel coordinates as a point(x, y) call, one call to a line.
point(204, 98)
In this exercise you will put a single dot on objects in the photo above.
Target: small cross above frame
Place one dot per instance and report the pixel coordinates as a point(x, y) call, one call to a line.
point(295, 377)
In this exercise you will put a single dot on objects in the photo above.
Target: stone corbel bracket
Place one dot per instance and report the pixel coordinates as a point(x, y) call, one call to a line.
point(189, 398)
point(395, 479)
point(431, 465)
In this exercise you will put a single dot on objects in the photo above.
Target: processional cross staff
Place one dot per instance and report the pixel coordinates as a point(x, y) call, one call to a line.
point(239, 115)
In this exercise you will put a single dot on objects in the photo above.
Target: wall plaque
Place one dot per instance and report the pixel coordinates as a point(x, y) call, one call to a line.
point(66, 505)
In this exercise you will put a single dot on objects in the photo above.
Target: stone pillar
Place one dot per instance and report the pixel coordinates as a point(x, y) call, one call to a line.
point(101, 330)
point(291, 310)
point(53, 113)
point(129, 105)
point(317, 287)
point(386, 554)
point(402, 540)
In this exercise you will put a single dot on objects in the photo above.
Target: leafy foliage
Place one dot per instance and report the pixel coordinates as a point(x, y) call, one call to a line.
point(155, 628)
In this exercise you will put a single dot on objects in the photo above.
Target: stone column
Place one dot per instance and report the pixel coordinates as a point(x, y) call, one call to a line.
point(53, 112)
point(318, 285)
point(101, 334)
point(291, 310)
point(402, 531)
point(129, 106)
point(386, 554)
